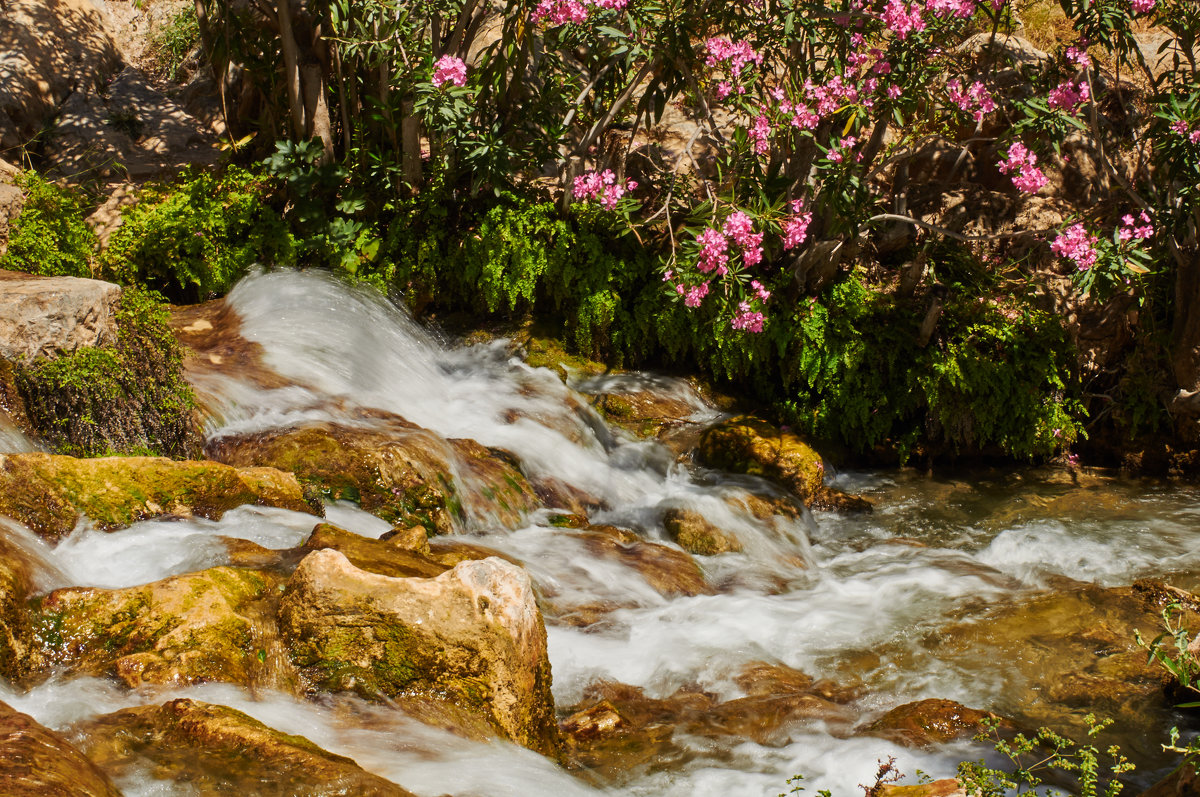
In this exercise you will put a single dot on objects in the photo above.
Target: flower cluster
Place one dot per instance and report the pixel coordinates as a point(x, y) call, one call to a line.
point(747, 319)
point(1068, 96)
point(1131, 230)
point(1181, 127)
point(974, 99)
point(713, 252)
point(449, 69)
point(1028, 177)
point(1142, 6)
point(1077, 245)
point(795, 229)
point(562, 12)
point(601, 186)
point(733, 55)
point(902, 19)
point(740, 229)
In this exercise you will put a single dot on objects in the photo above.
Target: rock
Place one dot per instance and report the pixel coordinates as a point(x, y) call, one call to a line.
point(646, 413)
point(47, 492)
point(47, 51)
point(46, 316)
point(668, 571)
point(15, 583)
point(36, 762)
point(929, 722)
point(219, 750)
point(946, 787)
point(1183, 782)
point(695, 534)
point(383, 557)
point(207, 626)
point(12, 200)
point(472, 635)
point(750, 445)
point(1161, 50)
point(396, 470)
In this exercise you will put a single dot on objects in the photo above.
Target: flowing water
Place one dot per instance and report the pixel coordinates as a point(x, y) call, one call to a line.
point(904, 604)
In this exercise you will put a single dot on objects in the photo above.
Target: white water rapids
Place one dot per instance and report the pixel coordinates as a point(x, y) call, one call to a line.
point(806, 594)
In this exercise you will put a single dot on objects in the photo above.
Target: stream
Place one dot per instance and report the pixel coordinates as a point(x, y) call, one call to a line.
point(961, 586)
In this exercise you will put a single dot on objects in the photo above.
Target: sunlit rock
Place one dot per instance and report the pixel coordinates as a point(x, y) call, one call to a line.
point(36, 762)
point(696, 534)
point(473, 635)
point(219, 750)
point(930, 722)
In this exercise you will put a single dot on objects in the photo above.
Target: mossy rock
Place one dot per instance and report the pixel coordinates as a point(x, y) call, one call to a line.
point(219, 750)
point(697, 535)
point(669, 571)
point(395, 470)
point(645, 413)
point(543, 352)
point(926, 723)
point(194, 628)
point(15, 582)
point(473, 636)
point(385, 557)
point(48, 492)
point(37, 762)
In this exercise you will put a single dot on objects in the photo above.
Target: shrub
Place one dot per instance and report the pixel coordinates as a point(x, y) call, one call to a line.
point(50, 237)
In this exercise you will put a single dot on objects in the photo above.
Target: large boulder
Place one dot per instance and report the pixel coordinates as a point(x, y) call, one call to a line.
point(398, 471)
point(48, 492)
point(750, 445)
point(46, 316)
point(473, 635)
point(219, 750)
point(48, 49)
point(36, 762)
point(207, 626)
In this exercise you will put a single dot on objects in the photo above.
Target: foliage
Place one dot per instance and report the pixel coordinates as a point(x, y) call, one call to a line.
point(50, 237)
point(171, 42)
point(130, 398)
point(193, 239)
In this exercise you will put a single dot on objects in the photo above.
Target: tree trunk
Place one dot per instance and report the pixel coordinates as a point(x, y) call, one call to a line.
point(291, 67)
point(316, 110)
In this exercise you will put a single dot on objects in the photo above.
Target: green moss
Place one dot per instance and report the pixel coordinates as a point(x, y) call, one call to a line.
point(130, 398)
point(50, 237)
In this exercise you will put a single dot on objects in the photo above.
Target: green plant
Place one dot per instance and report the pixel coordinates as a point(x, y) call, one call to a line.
point(50, 237)
point(1173, 651)
point(195, 238)
point(172, 41)
point(129, 398)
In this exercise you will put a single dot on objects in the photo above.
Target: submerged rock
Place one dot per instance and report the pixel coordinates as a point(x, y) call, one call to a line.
point(398, 471)
point(668, 571)
point(946, 787)
point(696, 534)
point(36, 762)
point(15, 582)
point(753, 446)
point(48, 493)
point(646, 413)
point(219, 750)
point(384, 557)
point(205, 626)
point(929, 722)
point(473, 635)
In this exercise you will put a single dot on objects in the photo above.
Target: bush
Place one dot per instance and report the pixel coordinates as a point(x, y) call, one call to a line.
point(50, 237)
point(195, 239)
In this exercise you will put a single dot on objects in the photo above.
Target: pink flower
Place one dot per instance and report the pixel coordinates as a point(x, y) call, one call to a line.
point(893, 92)
point(1068, 96)
point(449, 69)
point(903, 20)
point(1130, 229)
point(736, 55)
point(1075, 244)
point(760, 134)
point(1029, 177)
point(795, 229)
point(746, 319)
point(713, 252)
point(696, 295)
point(975, 99)
point(762, 293)
point(1079, 56)
point(1142, 6)
point(601, 186)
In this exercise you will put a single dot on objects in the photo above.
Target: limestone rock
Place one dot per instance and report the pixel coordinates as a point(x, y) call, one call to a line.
point(48, 49)
point(36, 762)
point(48, 492)
point(695, 534)
point(15, 582)
point(749, 445)
point(396, 470)
point(669, 571)
point(473, 635)
point(45, 316)
point(383, 557)
point(219, 750)
point(929, 722)
point(198, 627)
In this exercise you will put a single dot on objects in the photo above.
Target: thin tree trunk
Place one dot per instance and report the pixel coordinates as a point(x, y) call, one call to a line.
point(316, 110)
point(291, 67)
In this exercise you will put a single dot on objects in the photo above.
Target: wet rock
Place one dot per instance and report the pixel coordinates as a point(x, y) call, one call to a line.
point(48, 493)
point(395, 470)
point(213, 625)
point(646, 413)
point(946, 787)
point(15, 583)
point(384, 557)
point(749, 445)
point(246, 553)
point(668, 571)
point(219, 750)
point(557, 494)
point(695, 534)
point(36, 762)
point(473, 635)
point(46, 316)
point(929, 722)
point(1183, 782)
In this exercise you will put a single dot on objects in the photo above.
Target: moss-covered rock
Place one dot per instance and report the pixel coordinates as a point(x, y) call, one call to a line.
point(697, 535)
point(930, 722)
point(219, 750)
point(946, 787)
point(15, 581)
point(750, 445)
point(205, 626)
point(473, 635)
point(126, 397)
point(398, 471)
point(36, 762)
point(646, 413)
point(48, 492)
point(391, 557)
